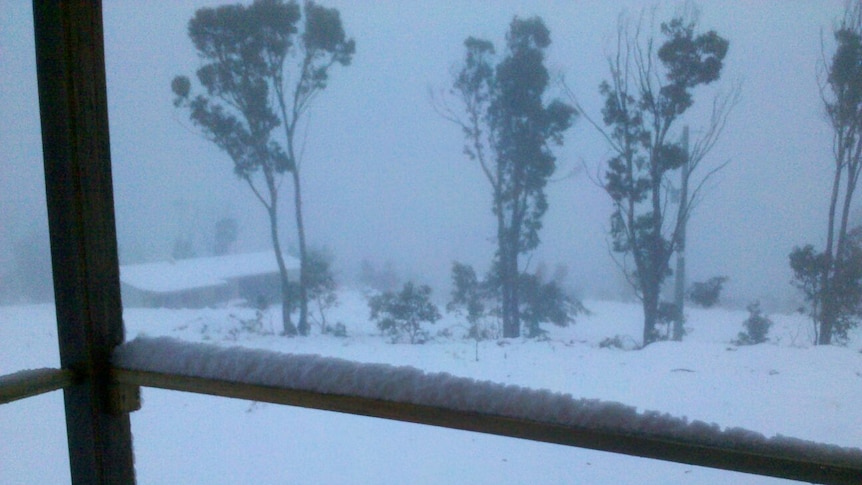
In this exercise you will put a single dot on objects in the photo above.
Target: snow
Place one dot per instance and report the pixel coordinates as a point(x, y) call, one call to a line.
point(193, 273)
point(406, 384)
point(783, 388)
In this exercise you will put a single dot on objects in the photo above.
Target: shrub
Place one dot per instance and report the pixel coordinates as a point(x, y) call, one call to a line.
point(337, 330)
point(756, 327)
point(541, 301)
point(402, 314)
point(622, 342)
point(473, 298)
point(842, 296)
point(668, 314)
point(545, 302)
point(707, 293)
point(321, 284)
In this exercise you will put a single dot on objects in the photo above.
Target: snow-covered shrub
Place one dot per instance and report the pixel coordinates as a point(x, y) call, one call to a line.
point(706, 293)
point(253, 325)
point(402, 314)
point(756, 327)
point(622, 342)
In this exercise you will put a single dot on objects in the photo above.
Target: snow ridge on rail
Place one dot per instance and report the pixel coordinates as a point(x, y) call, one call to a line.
point(406, 384)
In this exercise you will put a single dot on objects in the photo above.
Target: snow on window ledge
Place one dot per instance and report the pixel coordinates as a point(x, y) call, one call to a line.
point(328, 375)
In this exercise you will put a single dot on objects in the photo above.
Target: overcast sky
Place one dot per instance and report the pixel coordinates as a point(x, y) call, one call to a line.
point(384, 176)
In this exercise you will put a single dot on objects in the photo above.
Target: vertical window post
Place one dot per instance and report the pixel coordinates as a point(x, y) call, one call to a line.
point(73, 106)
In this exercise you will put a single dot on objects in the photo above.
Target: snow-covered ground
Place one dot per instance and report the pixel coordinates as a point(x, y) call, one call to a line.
point(783, 387)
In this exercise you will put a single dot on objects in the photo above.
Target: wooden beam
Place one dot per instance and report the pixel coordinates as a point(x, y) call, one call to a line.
point(777, 463)
point(73, 106)
point(29, 383)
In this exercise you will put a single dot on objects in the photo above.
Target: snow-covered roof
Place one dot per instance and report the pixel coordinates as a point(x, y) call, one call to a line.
point(193, 273)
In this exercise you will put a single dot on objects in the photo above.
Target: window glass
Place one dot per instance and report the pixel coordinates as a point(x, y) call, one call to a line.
point(235, 441)
point(34, 447)
point(27, 320)
point(389, 195)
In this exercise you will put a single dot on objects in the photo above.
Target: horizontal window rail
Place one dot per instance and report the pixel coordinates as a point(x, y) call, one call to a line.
point(410, 395)
point(29, 383)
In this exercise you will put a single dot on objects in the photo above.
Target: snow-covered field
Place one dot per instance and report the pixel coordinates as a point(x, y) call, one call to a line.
point(783, 387)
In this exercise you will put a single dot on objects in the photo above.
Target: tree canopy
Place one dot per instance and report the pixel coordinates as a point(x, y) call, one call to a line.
point(509, 129)
point(244, 52)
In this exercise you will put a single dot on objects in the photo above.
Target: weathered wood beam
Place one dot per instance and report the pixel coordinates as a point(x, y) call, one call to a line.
point(29, 383)
point(74, 112)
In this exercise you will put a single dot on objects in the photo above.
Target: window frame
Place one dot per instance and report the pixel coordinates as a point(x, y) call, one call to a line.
point(99, 397)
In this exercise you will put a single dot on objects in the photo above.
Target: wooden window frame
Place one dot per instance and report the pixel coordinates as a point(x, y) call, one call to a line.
point(98, 398)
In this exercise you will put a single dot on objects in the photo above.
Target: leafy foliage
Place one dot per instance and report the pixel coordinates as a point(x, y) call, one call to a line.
point(321, 284)
point(546, 302)
point(243, 50)
point(706, 293)
point(541, 301)
point(756, 327)
point(830, 280)
point(668, 313)
point(474, 298)
point(403, 313)
point(648, 92)
point(509, 130)
point(844, 290)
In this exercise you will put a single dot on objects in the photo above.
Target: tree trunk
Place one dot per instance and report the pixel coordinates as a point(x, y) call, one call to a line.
point(287, 325)
point(514, 283)
point(827, 313)
point(509, 286)
point(303, 266)
point(650, 306)
point(657, 258)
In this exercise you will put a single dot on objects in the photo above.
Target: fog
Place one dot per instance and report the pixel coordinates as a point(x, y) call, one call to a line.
point(384, 176)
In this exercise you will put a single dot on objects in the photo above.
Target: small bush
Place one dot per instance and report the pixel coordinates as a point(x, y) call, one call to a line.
point(321, 285)
point(668, 313)
point(622, 342)
point(756, 327)
point(707, 293)
point(337, 330)
point(402, 314)
point(546, 302)
point(474, 299)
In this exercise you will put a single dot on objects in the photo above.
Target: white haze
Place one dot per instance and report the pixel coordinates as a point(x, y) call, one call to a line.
point(384, 175)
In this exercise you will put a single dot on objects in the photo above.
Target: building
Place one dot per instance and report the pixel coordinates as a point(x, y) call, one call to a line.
point(203, 282)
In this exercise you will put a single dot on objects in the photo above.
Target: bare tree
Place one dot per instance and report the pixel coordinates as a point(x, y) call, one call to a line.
point(648, 92)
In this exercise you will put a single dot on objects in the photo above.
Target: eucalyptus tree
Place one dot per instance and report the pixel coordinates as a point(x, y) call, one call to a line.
point(832, 280)
point(261, 71)
point(649, 91)
point(509, 130)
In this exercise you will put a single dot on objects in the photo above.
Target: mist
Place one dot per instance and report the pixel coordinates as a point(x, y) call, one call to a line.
point(385, 179)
